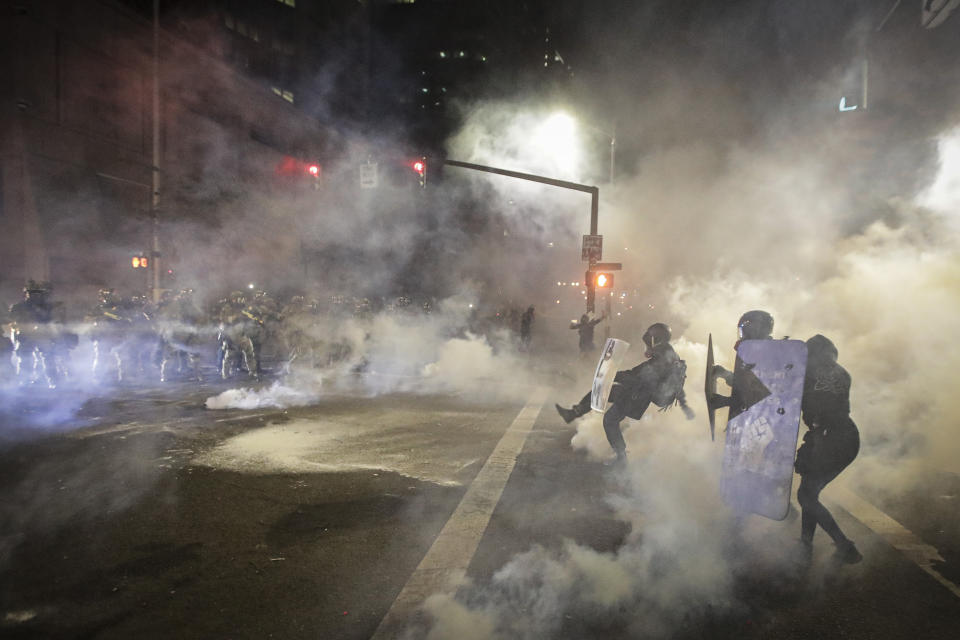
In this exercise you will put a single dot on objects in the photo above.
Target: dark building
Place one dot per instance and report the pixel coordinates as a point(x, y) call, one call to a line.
point(432, 58)
point(76, 144)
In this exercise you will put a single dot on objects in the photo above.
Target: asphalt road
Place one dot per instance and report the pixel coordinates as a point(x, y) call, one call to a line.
point(145, 515)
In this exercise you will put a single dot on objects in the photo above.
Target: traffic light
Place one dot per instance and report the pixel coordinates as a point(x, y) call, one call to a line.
point(602, 279)
point(314, 170)
point(420, 166)
point(139, 262)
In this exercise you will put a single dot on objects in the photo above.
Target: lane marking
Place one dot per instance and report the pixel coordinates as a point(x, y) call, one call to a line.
point(248, 416)
point(896, 535)
point(444, 566)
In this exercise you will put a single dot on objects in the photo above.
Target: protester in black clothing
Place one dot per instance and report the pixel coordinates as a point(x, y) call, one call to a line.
point(526, 326)
point(585, 329)
point(659, 379)
point(829, 446)
point(753, 325)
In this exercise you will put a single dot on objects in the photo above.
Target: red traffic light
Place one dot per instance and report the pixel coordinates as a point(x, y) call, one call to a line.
point(420, 166)
point(139, 262)
point(314, 170)
point(135, 262)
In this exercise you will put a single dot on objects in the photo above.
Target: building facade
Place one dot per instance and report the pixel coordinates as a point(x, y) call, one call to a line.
point(76, 141)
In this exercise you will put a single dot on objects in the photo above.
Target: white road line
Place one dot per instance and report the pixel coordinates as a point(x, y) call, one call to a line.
point(445, 565)
point(248, 417)
point(898, 536)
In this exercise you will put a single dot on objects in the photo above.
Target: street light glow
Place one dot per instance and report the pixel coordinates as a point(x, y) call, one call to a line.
point(556, 139)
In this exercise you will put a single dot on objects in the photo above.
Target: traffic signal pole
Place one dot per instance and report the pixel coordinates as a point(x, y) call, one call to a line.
point(155, 186)
point(553, 182)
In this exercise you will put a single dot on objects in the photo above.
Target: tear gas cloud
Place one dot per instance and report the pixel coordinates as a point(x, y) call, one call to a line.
point(796, 218)
point(764, 210)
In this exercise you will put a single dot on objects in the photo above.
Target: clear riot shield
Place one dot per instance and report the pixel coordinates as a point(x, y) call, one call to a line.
point(610, 359)
point(763, 426)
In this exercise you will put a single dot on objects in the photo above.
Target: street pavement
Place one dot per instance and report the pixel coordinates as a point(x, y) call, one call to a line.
point(142, 514)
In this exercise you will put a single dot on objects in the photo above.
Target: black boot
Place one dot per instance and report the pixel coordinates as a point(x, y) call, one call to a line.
point(568, 415)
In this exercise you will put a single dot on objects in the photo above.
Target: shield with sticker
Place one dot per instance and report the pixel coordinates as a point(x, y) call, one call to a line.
point(603, 378)
point(762, 427)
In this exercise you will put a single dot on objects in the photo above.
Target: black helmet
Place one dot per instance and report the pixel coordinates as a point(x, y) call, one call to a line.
point(755, 325)
point(819, 347)
point(656, 334)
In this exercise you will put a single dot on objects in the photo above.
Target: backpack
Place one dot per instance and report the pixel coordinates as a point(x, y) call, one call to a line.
point(671, 386)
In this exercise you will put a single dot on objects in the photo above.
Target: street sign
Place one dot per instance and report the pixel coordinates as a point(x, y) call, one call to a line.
point(608, 266)
point(368, 175)
point(592, 249)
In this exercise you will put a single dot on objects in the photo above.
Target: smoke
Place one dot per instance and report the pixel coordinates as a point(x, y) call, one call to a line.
point(782, 210)
point(446, 351)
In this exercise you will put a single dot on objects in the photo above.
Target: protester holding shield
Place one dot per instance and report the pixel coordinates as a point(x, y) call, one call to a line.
point(659, 379)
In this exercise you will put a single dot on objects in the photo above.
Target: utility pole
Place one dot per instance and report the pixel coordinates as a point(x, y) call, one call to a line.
point(613, 151)
point(155, 184)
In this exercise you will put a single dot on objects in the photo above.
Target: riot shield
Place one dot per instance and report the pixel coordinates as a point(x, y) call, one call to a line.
point(610, 358)
point(763, 426)
point(710, 388)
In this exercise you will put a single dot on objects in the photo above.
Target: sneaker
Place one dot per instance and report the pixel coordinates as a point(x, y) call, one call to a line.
point(568, 415)
point(847, 553)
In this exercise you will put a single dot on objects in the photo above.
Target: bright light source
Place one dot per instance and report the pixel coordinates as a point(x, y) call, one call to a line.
point(418, 166)
point(250, 286)
point(313, 170)
point(555, 140)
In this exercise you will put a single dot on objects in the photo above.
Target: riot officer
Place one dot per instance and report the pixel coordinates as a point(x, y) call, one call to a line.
point(140, 342)
point(33, 334)
point(298, 319)
point(230, 333)
point(108, 333)
point(658, 379)
point(831, 443)
point(179, 321)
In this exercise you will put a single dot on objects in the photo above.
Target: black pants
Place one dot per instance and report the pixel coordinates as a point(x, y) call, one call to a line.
point(824, 454)
point(624, 402)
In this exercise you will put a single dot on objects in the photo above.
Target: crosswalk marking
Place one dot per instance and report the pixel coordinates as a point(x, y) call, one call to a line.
point(898, 536)
point(445, 565)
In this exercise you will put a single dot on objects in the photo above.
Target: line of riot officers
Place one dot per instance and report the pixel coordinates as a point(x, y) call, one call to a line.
point(132, 339)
